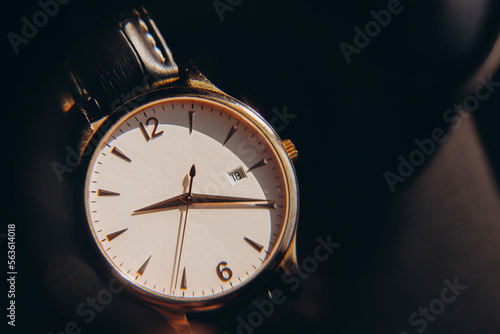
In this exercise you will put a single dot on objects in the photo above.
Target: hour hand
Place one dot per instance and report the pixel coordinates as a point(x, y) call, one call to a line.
point(227, 201)
point(171, 203)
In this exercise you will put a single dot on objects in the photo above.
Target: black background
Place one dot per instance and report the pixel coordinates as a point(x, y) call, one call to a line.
point(351, 123)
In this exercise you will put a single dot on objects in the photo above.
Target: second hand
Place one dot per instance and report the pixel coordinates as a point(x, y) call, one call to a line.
point(188, 199)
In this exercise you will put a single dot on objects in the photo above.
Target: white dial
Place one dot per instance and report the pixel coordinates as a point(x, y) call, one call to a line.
point(186, 198)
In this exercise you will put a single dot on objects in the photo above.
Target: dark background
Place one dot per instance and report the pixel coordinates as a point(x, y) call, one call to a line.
point(352, 122)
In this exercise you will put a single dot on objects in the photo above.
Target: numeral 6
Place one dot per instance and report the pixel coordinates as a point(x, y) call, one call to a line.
point(225, 273)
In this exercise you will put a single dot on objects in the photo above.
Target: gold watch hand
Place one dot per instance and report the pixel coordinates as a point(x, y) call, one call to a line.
point(202, 200)
point(188, 197)
point(199, 200)
point(171, 203)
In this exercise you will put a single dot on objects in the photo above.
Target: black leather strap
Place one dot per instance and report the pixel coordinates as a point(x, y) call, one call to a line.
point(111, 66)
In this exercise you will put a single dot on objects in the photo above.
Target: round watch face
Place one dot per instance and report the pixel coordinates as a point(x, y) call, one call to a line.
point(187, 198)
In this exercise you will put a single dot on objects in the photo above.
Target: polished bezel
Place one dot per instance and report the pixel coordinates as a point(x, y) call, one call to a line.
point(248, 288)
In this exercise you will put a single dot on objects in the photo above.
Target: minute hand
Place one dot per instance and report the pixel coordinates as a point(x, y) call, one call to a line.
point(206, 201)
point(215, 201)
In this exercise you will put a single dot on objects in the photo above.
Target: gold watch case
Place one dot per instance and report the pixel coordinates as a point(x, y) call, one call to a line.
point(194, 85)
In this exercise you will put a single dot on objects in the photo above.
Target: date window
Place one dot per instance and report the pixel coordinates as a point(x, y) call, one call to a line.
point(236, 175)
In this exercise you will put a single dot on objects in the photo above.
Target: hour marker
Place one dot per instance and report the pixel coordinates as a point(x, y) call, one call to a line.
point(102, 192)
point(261, 163)
point(143, 267)
point(115, 234)
point(191, 117)
point(144, 132)
point(120, 154)
point(230, 134)
point(183, 280)
point(258, 247)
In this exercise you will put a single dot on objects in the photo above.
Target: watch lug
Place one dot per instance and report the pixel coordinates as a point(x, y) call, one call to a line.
point(178, 321)
point(77, 95)
point(195, 79)
point(289, 264)
point(86, 134)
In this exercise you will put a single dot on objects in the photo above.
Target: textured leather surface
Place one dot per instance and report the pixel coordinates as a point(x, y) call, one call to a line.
point(119, 61)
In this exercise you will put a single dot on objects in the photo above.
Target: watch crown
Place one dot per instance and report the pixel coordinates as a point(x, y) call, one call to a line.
point(290, 149)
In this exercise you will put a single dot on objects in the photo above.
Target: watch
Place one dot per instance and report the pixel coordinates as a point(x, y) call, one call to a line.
point(189, 196)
